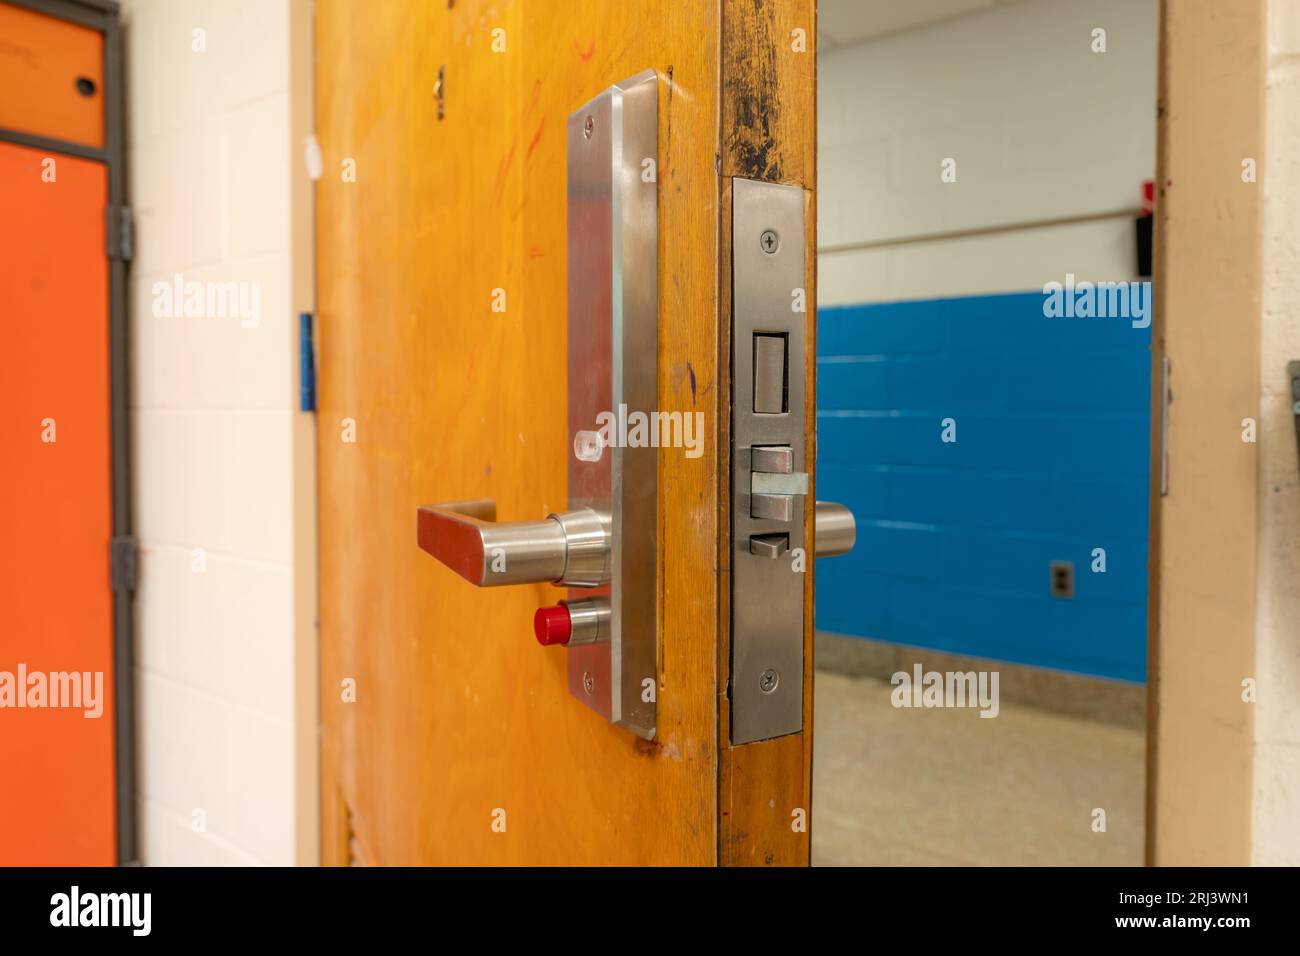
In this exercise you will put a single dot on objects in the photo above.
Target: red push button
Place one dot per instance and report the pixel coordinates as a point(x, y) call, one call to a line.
point(552, 625)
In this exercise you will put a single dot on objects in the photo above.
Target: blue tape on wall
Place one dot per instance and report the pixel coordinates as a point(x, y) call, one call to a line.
point(1051, 461)
point(306, 365)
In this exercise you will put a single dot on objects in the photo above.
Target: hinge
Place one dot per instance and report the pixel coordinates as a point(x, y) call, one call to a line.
point(1293, 370)
point(122, 555)
point(120, 233)
point(1166, 398)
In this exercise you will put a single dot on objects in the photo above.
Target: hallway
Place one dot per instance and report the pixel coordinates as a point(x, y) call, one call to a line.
point(944, 787)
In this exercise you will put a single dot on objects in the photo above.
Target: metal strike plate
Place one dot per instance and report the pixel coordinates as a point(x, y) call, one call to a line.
point(613, 289)
point(769, 478)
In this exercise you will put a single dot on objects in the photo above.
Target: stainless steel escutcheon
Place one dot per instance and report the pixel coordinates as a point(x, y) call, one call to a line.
point(570, 548)
point(604, 549)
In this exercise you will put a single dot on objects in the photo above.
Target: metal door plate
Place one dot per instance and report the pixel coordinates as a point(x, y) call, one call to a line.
point(613, 294)
point(767, 410)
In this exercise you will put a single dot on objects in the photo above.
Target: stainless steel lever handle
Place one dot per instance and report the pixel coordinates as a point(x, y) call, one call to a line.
point(569, 548)
point(836, 529)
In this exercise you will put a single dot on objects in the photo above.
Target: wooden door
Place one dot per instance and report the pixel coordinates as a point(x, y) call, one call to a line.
point(448, 735)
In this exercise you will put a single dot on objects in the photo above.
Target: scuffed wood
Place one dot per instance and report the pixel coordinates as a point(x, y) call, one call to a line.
point(458, 713)
point(769, 114)
point(769, 78)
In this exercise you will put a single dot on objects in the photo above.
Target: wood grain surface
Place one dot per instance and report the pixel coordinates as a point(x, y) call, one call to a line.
point(769, 113)
point(459, 715)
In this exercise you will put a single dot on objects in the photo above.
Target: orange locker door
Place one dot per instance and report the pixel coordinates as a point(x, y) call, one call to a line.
point(56, 625)
point(53, 74)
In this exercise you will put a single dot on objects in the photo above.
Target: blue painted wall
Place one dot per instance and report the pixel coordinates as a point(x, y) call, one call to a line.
point(1051, 461)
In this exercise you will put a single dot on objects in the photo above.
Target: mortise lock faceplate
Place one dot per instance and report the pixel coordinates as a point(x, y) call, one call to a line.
point(770, 484)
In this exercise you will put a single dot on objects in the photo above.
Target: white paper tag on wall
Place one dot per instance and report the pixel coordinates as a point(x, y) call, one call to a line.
point(312, 158)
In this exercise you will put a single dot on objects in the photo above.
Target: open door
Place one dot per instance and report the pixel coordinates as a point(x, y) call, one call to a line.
point(526, 220)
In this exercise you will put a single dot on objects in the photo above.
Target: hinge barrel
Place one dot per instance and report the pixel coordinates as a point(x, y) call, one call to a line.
point(119, 233)
point(122, 562)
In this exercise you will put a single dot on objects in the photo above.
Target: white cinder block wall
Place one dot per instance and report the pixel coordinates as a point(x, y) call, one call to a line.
point(1040, 126)
point(209, 156)
point(1276, 831)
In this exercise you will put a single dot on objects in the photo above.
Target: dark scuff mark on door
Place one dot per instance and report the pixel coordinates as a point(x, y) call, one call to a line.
point(668, 124)
point(752, 95)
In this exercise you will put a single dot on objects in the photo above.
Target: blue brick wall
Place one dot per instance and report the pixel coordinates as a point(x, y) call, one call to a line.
point(1051, 461)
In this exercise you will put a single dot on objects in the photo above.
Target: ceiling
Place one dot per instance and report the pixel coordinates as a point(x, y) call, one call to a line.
point(845, 22)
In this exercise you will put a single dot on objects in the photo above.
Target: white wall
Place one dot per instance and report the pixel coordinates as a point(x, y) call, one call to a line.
point(1040, 126)
point(1276, 832)
point(218, 706)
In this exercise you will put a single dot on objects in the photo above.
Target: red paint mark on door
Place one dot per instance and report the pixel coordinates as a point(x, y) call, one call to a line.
point(537, 138)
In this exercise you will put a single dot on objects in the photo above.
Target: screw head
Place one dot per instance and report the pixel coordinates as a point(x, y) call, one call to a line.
point(768, 680)
point(769, 241)
point(587, 127)
point(588, 682)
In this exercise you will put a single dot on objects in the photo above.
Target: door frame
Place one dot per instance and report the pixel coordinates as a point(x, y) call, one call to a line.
point(1183, 824)
point(1201, 613)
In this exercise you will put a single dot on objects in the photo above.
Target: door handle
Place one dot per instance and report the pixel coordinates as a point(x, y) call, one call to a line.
point(569, 548)
point(835, 529)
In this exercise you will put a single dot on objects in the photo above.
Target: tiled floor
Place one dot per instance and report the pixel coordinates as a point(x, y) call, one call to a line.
point(938, 787)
